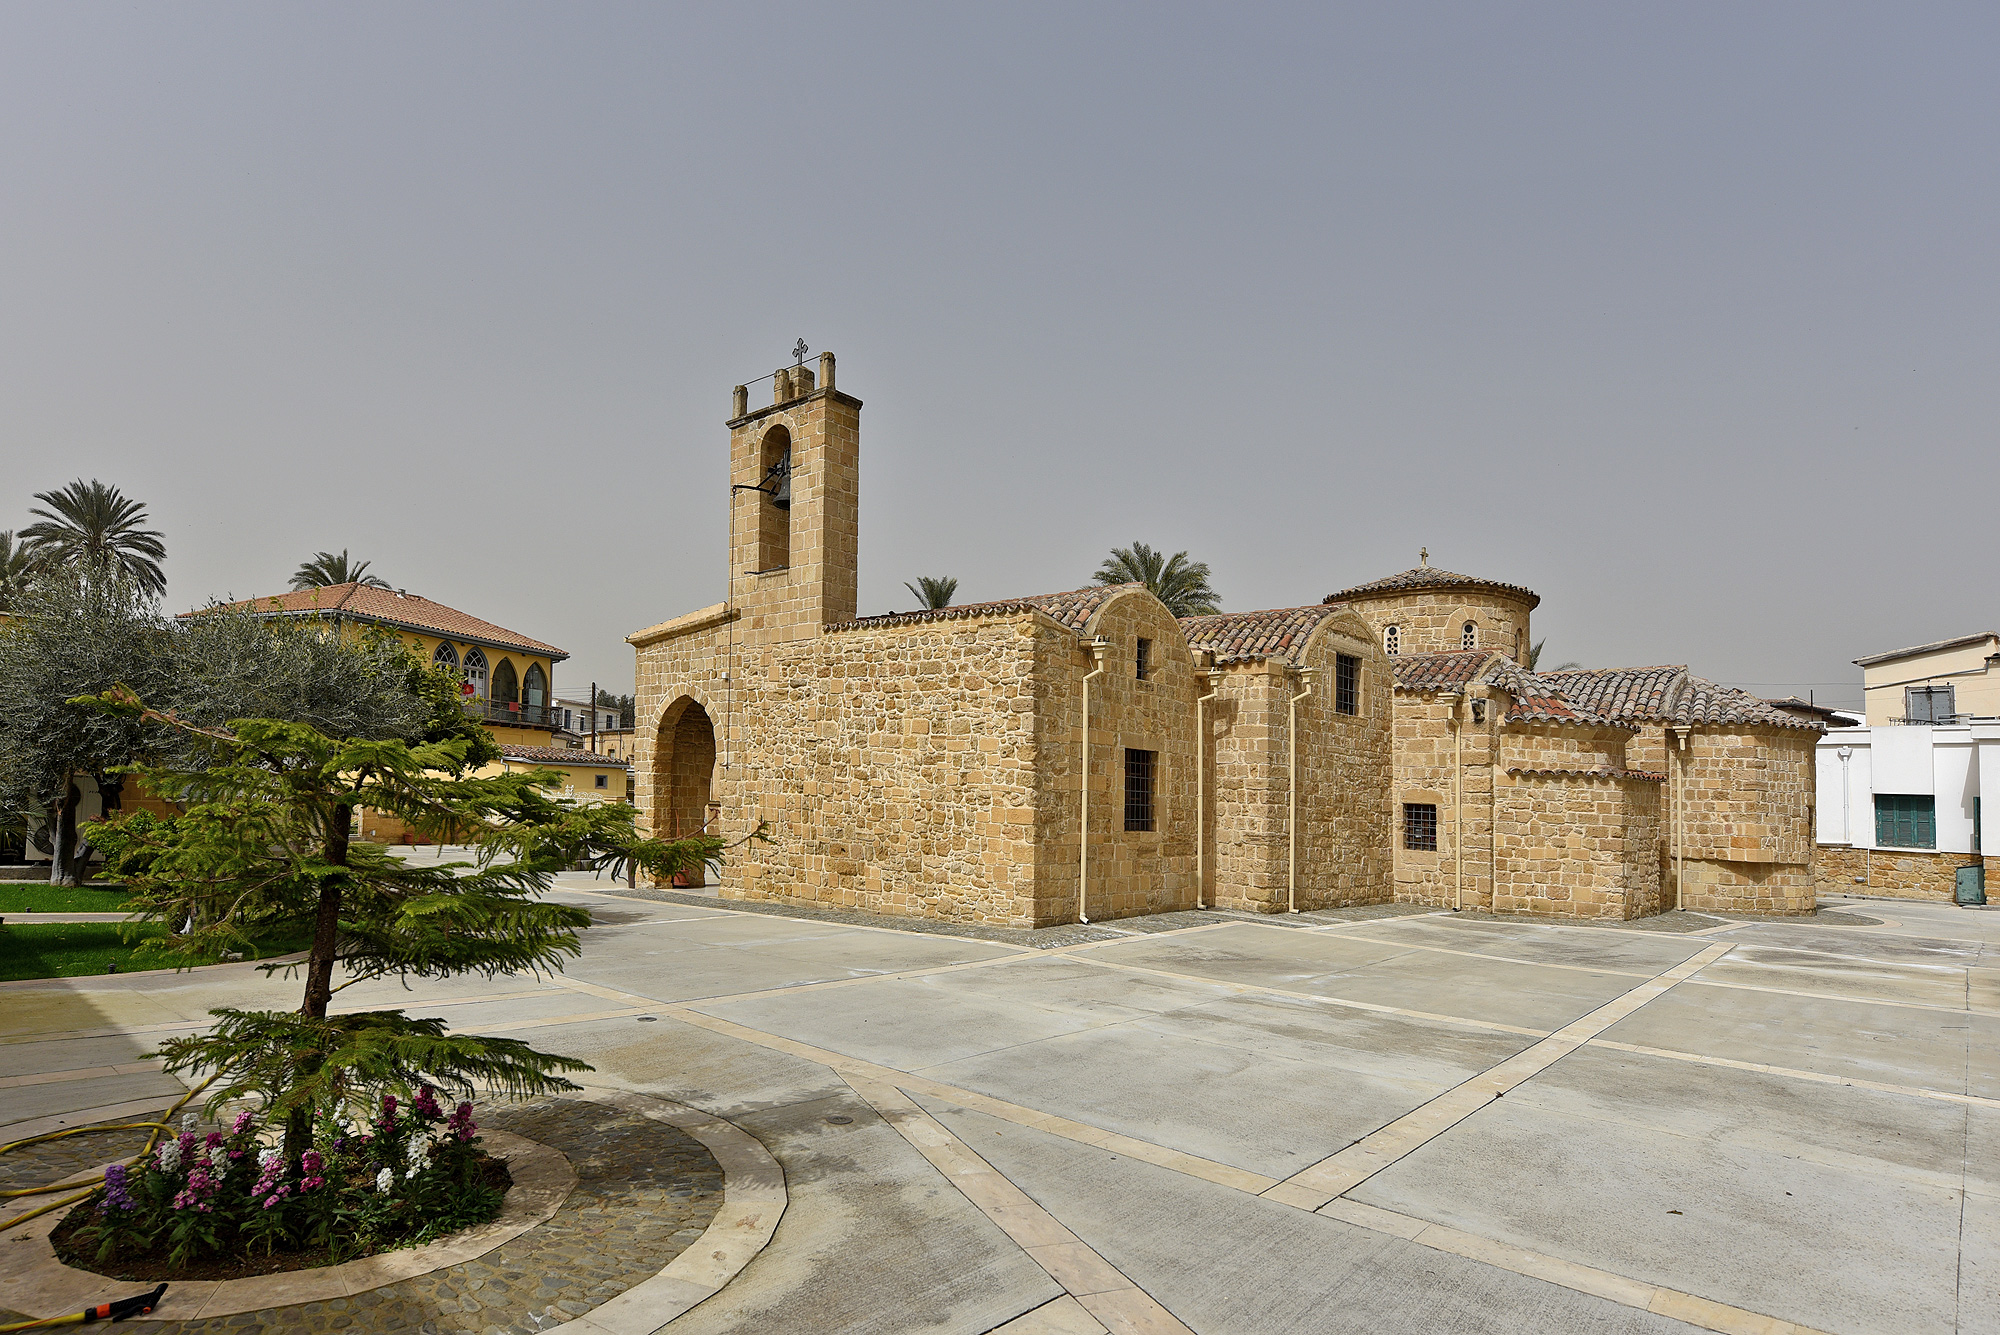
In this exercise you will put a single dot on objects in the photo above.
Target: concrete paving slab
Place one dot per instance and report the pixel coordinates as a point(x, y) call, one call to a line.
point(18, 1103)
point(1533, 943)
point(1260, 1083)
point(1893, 1044)
point(1604, 1160)
point(69, 1054)
point(1224, 1262)
point(874, 1238)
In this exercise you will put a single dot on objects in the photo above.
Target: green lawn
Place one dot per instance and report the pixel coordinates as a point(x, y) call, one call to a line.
point(41, 897)
point(74, 949)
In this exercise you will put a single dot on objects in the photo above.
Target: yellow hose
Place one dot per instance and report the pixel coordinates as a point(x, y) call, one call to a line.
point(94, 1183)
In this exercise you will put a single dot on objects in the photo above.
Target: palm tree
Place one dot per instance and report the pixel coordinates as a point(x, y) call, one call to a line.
point(933, 591)
point(16, 564)
point(1535, 658)
point(96, 525)
point(1176, 581)
point(326, 569)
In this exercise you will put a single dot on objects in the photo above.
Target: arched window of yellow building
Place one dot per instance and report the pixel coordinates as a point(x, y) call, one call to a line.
point(535, 687)
point(506, 686)
point(475, 670)
point(446, 657)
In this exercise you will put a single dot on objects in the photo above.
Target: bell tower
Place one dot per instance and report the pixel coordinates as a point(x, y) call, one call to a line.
point(794, 504)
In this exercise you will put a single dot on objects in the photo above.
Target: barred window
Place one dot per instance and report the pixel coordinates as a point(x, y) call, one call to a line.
point(1392, 641)
point(1139, 789)
point(1927, 704)
point(1420, 826)
point(1144, 657)
point(1346, 684)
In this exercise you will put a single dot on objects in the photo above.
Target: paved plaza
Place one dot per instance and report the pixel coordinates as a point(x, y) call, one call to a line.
point(1401, 1122)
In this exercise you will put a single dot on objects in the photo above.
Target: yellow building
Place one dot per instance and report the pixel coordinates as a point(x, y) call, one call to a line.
point(1944, 682)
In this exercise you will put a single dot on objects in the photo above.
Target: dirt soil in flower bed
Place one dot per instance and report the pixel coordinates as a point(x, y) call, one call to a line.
point(153, 1265)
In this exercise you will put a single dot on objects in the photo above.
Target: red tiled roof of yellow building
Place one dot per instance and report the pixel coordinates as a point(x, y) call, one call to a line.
point(391, 607)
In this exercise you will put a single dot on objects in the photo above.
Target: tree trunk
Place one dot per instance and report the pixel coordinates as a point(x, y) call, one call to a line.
point(62, 863)
point(319, 967)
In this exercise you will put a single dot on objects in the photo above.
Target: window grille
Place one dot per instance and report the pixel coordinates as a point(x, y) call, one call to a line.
point(1143, 658)
point(1392, 641)
point(1927, 704)
point(1469, 637)
point(1139, 789)
point(1420, 826)
point(1346, 684)
point(1905, 821)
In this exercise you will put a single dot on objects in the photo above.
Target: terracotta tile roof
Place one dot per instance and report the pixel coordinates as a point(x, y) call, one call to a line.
point(1242, 637)
point(391, 608)
point(1074, 609)
point(1439, 672)
point(1872, 659)
point(561, 755)
point(1670, 695)
point(1640, 775)
point(1539, 698)
point(1430, 577)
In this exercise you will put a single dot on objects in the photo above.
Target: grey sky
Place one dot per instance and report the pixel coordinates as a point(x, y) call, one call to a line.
point(1682, 315)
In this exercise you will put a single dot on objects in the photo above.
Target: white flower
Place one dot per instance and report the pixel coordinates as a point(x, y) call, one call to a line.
point(419, 1153)
point(269, 1157)
point(170, 1156)
point(188, 1123)
point(384, 1180)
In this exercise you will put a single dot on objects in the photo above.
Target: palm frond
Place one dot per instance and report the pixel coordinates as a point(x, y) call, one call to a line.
point(97, 526)
point(1176, 581)
point(933, 591)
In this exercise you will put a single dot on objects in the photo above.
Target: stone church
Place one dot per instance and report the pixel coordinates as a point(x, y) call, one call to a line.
point(1084, 755)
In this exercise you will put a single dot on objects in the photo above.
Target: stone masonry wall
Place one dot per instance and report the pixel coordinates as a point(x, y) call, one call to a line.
point(1462, 862)
point(1573, 845)
point(1131, 872)
point(1896, 873)
point(1344, 768)
point(1747, 824)
point(1433, 620)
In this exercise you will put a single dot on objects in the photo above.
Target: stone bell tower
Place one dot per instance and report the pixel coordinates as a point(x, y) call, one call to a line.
point(794, 505)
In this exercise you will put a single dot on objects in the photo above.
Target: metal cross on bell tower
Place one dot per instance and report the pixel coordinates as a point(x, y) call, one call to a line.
point(799, 351)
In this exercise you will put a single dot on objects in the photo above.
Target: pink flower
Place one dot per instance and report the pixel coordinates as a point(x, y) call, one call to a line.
point(426, 1104)
point(213, 1140)
point(460, 1123)
point(241, 1124)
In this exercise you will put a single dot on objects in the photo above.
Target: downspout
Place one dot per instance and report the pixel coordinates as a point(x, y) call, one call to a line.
point(1201, 786)
point(1846, 753)
point(1096, 648)
point(1680, 852)
point(1457, 800)
point(1292, 814)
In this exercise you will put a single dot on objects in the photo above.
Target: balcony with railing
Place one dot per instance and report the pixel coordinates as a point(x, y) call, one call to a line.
point(516, 712)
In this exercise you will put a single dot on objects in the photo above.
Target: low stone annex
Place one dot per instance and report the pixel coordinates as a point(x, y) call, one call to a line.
point(1084, 754)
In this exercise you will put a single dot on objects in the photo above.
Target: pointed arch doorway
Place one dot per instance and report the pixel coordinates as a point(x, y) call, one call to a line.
point(683, 773)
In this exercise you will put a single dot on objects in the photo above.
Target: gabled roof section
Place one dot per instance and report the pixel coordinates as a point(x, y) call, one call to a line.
point(1539, 699)
point(1419, 578)
point(1452, 671)
point(1934, 646)
point(1073, 609)
point(392, 608)
point(1669, 695)
point(562, 755)
point(1243, 637)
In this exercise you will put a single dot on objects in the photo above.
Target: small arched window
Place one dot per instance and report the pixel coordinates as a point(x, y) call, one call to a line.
point(1469, 637)
point(535, 686)
point(506, 683)
point(446, 657)
point(1392, 641)
point(475, 670)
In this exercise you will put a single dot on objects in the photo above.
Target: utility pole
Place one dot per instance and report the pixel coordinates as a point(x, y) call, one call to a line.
point(593, 718)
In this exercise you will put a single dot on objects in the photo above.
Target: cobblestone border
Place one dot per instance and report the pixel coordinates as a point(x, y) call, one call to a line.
point(753, 1200)
point(34, 1282)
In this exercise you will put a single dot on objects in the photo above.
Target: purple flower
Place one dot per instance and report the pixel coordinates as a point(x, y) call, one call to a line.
point(312, 1169)
point(117, 1190)
point(426, 1104)
point(201, 1186)
point(388, 1105)
point(213, 1140)
point(460, 1123)
point(241, 1124)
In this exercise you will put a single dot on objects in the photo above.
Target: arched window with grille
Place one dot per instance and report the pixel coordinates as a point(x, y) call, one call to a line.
point(446, 657)
point(1392, 641)
point(1469, 636)
point(475, 671)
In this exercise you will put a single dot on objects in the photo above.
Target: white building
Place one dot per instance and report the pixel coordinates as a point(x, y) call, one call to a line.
point(1899, 807)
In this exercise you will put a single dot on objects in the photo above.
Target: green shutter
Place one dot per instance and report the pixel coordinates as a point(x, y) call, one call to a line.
point(1905, 821)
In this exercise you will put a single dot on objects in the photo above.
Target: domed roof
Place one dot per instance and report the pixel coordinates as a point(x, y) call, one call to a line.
point(1423, 577)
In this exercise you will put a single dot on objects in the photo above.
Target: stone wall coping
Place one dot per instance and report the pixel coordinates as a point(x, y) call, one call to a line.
point(33, 1281)
point(685, 624)
point(1632, 775)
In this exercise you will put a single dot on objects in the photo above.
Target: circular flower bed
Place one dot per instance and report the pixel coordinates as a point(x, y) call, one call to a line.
point(224, 1205)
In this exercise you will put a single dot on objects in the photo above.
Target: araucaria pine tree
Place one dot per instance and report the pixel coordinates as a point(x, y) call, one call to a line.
point(266, 839)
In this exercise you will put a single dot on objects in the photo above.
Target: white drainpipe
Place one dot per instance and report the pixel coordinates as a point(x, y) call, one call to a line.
point(1457, 797)
point(1097, 648)
point(1680, 853)
point(1201, 786)
point(1292, 815)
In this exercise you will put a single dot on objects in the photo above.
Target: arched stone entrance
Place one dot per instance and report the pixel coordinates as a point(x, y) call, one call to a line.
point(683, 773)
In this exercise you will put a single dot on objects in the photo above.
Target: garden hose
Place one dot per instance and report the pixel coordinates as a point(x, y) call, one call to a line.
point(163, 1125)
point(122, 1309)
